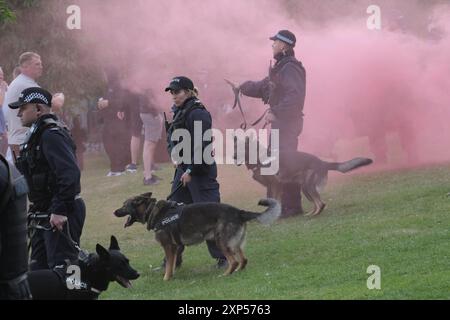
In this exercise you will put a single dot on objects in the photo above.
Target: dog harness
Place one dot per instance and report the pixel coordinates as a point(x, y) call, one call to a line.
point(169, 221)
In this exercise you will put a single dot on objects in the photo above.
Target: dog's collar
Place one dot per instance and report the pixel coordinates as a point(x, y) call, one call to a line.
point(147, 212)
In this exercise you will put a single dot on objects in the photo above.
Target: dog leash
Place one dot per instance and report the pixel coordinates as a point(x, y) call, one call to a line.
point(261, 118)
point(237, 102)
point(179, 186)
point(44, 216)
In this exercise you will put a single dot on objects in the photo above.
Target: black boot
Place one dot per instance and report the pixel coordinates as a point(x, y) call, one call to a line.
point(291, 200)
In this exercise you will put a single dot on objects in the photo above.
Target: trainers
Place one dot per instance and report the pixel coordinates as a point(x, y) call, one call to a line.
point(115, 173)
point(150, 182)
point(131, 167)
point(222, 263)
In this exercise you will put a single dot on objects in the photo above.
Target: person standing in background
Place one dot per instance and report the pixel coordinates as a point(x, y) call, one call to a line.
point(31, 69)
point(116, 136)
point(152, 121)
point(3, 134)
point(129, 111)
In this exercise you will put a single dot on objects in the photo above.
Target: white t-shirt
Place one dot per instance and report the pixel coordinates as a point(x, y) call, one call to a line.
point(16, 132)
point(3, 89)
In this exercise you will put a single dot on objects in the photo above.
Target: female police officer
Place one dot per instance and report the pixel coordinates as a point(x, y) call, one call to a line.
point(194, 181)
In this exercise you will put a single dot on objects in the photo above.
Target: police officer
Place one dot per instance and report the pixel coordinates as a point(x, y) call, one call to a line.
point(13, 234)
point(198, 180)
point(48, 162)
point(284, 91)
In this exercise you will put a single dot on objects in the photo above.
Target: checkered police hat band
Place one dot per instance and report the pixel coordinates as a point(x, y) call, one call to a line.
point(283, 38)
point(35, 95)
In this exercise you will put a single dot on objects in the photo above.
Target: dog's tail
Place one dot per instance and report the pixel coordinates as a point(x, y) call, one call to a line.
point(350, 165)
point(271, 214)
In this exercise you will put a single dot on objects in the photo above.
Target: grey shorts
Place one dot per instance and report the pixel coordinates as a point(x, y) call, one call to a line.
point(152, 127)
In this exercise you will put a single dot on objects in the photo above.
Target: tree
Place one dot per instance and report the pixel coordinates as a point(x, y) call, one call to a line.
point(5, 12)
point(40, 26)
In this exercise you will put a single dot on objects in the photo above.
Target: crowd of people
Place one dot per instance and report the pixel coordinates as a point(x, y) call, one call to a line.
point(129, 119)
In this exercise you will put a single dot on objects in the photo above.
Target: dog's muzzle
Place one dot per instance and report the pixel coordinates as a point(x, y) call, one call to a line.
point(120, 213)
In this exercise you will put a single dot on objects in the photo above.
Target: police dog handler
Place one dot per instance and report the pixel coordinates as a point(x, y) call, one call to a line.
point(193, 182)
point(48, 162)
point(284, 91)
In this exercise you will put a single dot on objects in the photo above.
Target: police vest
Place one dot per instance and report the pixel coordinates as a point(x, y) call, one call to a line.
point(179, 120)
point(33, 165)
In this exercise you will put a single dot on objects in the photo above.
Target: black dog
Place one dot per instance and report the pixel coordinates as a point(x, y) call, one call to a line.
point(97, 271)
point(178, 224)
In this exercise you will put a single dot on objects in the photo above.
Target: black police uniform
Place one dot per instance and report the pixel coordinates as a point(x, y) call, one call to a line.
point(203, 186)
point(284, 90)
point(48, 162)
point(13, 234)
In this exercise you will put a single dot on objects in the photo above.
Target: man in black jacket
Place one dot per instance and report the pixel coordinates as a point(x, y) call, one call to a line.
point(48, 162)
point(284, 91)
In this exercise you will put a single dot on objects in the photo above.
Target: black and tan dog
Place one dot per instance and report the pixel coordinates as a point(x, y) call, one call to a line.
point(301, 167)
point(178, 224)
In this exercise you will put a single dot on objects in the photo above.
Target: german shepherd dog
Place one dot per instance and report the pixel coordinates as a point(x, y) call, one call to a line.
point(97, 271)
point(300, 167)
point(195, 223)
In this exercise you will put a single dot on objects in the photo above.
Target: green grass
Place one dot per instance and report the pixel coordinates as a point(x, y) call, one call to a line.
point(398, 220)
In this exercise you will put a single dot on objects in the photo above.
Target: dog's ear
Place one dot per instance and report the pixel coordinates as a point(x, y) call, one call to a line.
point(114, 245)
point(102, 252)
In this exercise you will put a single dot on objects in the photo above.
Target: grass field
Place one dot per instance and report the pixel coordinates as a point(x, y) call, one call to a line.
point(397, 220)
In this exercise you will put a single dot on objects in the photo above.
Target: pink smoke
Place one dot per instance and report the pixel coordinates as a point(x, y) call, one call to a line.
point(372, 84)
point(388, 86)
